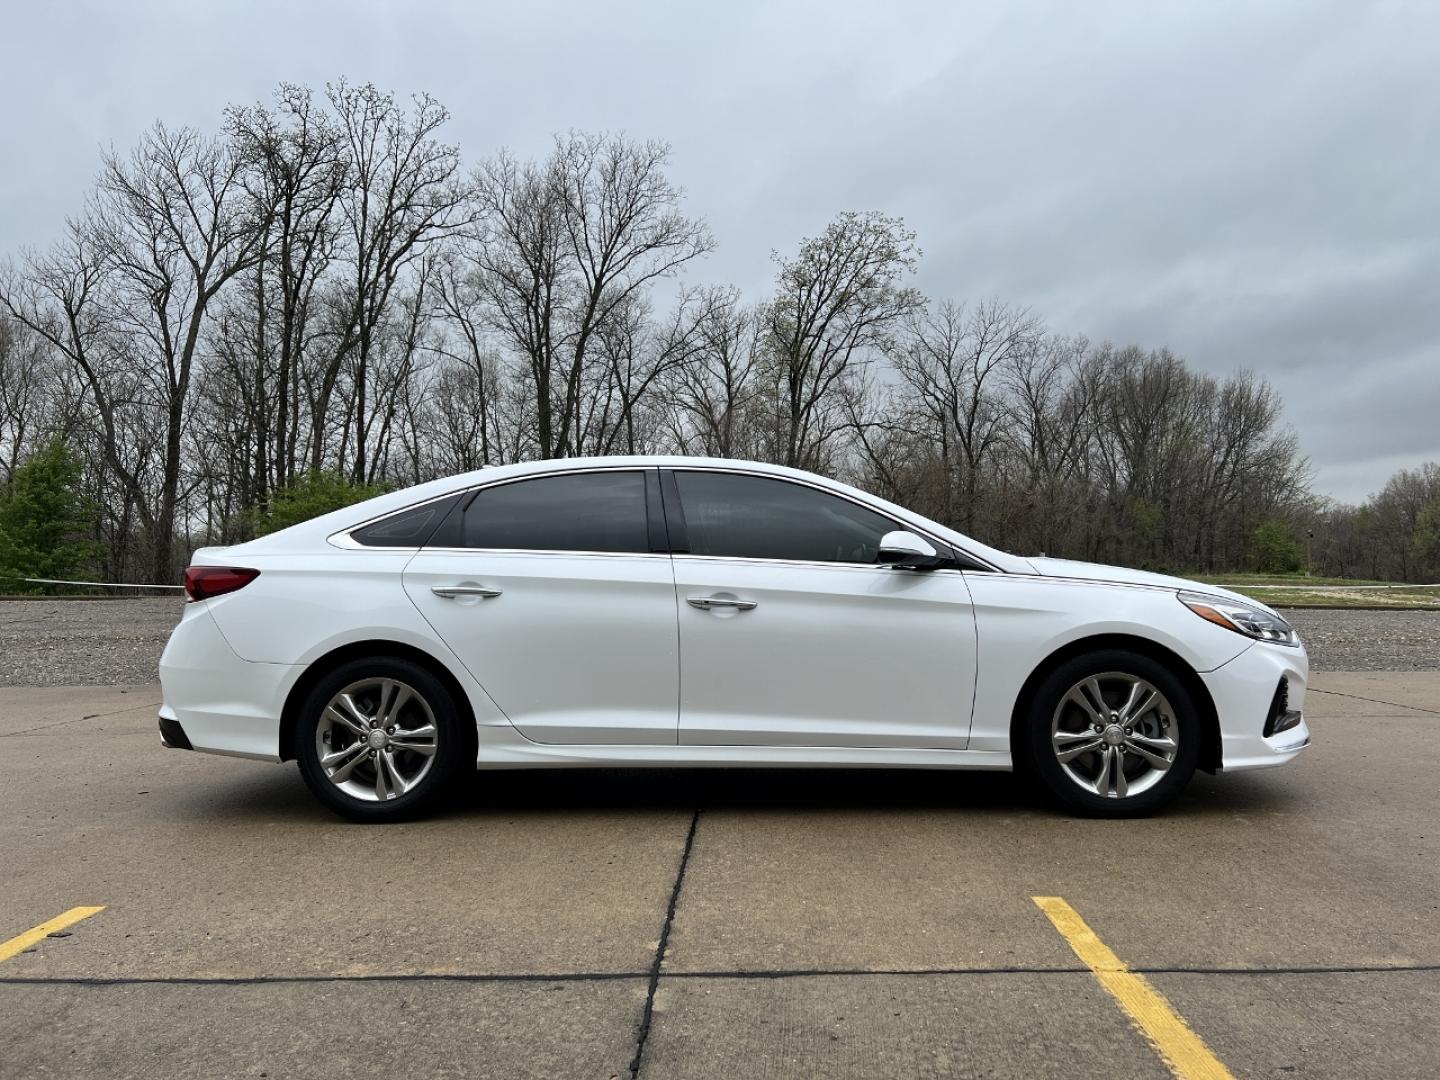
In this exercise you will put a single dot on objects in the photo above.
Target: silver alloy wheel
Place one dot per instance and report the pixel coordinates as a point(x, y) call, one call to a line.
point(376, 739)
point(1114, 735)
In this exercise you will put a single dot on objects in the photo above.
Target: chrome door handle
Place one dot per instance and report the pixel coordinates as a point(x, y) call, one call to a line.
point(450, 592)
point(705, 603)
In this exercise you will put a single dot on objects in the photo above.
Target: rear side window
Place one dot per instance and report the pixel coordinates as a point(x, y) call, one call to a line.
point(408, 528)
point(601, 511)
point(754, 517)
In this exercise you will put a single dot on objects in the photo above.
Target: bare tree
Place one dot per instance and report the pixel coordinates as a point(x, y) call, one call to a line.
point(565, 253)
point(401, 194)
point(296, 165)
point(32, 398)
point(712, 398)
point(839, 298)
point(175, 226)
point(321, 289)
point(61, 296)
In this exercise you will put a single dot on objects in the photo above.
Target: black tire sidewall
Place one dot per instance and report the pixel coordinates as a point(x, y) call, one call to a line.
point(1041, 755)
point(450, 741)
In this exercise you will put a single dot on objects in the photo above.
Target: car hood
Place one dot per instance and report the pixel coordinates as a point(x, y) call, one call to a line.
point(1122, 575)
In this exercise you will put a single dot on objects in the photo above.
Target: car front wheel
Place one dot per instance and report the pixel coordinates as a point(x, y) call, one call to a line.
point(378, 739)
point(1113, 734)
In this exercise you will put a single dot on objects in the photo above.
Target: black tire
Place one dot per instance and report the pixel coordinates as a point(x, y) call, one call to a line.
point(1040, 748)
point(451, 746)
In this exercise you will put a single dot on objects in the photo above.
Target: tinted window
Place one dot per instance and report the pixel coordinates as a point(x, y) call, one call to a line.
point(584, 512)
point(409, 528)
point(756, 518)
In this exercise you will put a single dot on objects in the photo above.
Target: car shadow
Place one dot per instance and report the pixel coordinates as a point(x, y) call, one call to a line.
point(739, 789)
point(280, 795)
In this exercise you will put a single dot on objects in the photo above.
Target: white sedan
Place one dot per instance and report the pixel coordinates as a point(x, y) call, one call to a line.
point(677, 611)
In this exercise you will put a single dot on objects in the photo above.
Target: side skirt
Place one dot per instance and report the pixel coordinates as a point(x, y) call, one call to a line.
point(510, 755)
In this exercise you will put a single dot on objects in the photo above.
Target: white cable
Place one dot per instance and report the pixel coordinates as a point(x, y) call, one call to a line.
point(98, 584)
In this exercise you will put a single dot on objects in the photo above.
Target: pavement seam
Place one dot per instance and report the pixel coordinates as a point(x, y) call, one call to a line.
point(1374, 701)
point(647, 1017)
point(634, 976)
point(80, 719)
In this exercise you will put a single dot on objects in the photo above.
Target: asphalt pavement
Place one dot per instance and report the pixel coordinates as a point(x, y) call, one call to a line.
point(759, 923)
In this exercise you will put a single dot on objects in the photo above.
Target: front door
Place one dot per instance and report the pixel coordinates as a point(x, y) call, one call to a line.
point(560, 608)
point(792, 635)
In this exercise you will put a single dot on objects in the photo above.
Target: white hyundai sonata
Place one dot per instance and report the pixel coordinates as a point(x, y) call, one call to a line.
point(691, 611)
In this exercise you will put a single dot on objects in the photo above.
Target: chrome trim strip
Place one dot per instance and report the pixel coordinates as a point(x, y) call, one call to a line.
point(342, 539)
point(828, 564)
point(907, 527)
point(535, 552)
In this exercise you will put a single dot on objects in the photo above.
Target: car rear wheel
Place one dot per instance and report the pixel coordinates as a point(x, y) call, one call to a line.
point(379, 739)
point(1113, 734)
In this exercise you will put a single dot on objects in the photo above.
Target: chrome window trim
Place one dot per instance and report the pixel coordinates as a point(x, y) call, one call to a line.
point(904, 526)
point(566, 552)
point(342, 539)
point(825, 564)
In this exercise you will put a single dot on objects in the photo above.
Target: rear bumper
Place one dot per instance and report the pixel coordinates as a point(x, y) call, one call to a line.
point(216, 702)
point(1243, 691)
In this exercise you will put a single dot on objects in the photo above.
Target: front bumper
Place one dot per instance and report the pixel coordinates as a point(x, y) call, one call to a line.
point(215, 701)
point(1243, 691)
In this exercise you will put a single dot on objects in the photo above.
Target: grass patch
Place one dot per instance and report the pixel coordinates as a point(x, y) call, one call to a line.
point(1297, 590)
point(1401, 598)
point(1230, 580)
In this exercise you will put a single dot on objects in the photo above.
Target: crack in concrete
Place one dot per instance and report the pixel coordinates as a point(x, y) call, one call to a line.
point(79, 719)
point(647, 1017)
point(1372, 701)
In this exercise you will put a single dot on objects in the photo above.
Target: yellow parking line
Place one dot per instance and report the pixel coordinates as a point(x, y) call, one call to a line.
point(1178, 1046)
point(23, 941)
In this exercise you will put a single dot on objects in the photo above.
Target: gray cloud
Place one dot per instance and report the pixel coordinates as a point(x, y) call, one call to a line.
point(1252, 185)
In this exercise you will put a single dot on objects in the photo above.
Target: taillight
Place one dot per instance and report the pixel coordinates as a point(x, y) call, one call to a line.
point(203, 582)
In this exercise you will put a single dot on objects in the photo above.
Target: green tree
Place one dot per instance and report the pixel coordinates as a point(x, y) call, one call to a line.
point(1425, 543)
point(311, 495)
point(1274, 550)
point(44, 519)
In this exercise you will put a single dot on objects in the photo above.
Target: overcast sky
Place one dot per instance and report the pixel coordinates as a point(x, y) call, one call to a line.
point(1255, 185)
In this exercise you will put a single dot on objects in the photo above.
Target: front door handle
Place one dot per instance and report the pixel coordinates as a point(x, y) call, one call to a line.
point(705, 603)
point(450, 592)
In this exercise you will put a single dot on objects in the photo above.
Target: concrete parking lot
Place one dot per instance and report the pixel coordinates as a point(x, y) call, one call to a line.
point(786, 923)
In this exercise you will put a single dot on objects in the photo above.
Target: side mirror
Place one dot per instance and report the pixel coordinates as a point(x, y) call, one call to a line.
point(906, 551)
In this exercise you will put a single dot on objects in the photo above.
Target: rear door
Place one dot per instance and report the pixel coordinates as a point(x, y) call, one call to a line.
point(556, 593)
point(792, 635)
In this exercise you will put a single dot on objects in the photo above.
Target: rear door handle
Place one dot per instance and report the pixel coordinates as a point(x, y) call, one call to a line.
point(705, 603)
point(450, 592)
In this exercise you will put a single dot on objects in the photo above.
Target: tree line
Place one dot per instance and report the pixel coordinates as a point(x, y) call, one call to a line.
point(320, 299)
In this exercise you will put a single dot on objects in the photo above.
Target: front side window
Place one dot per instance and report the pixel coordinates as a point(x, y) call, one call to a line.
point(755, 517)
point(600, 511)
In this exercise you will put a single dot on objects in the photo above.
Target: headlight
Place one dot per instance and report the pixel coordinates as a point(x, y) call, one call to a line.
point(1242, 618)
